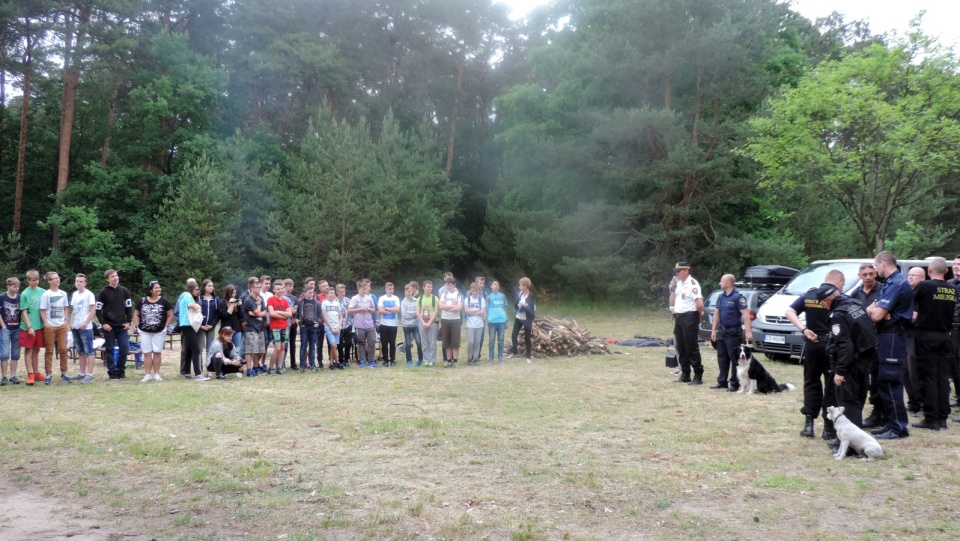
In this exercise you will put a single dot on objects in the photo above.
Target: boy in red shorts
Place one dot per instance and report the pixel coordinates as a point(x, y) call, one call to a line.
point(31, 326)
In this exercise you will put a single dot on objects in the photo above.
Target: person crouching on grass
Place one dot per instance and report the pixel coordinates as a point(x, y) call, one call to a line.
point(223, 357)
point(279, 310)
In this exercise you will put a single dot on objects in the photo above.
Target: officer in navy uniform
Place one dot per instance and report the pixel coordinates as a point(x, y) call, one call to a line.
point(818, 391)
point(686, 304)
point(732, 311)
point(893, 307)
point(851, 346)
point(935, 301)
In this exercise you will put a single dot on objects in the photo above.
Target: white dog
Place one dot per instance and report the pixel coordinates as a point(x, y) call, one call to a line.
point(850, 435)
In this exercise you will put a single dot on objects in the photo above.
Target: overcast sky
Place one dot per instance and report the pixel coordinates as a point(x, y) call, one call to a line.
point(942, 18)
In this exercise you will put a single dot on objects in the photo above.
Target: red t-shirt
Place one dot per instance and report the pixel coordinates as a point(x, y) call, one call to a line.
point(280, 305)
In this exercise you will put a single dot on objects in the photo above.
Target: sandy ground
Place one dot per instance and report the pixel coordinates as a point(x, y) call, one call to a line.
point(29, 515)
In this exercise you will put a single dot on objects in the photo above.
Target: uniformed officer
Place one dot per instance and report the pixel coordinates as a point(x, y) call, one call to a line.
point(955, 334)
point(686, 304)
point(935, 301)
point(893, 307)
point(732, 312)
point(818, 391)
point(852, 344)
point(912, 383)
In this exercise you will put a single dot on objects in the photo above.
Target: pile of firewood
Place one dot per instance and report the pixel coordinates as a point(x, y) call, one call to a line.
point(558, 337)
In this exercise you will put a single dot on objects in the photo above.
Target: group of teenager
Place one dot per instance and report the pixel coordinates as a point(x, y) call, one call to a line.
point(231, 333)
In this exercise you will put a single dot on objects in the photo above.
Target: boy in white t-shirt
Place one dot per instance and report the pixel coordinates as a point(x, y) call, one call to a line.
point(83, 304)
point(476, 308)
point(53, 312)
point(388, 306)
point(333, 316)
point(451, 303)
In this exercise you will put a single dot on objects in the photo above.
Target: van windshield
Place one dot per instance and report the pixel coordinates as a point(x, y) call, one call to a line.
point(813, 276)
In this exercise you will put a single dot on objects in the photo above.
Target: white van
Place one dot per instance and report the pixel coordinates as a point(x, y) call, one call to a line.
point(774, 335)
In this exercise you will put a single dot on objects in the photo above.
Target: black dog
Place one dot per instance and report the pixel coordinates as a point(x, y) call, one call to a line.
point(754, 378)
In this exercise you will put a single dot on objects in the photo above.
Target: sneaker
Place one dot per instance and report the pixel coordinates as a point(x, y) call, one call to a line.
point(221, 376)
point(31, 378)
point(420, 363)
point(239, 375)
point(87, 379)
point(409, 363)
point(4, 381)
point(148, 377)
point(48, 379)
point(500, 361)
point(373, 364)
point(250, 374)
point(509, 355)
point(38, 377)
point(363, 364)
point(15, 380)
point(529, 360)
point(156, 377)
point(270, 372)
point(186, 376)
point(201, 377)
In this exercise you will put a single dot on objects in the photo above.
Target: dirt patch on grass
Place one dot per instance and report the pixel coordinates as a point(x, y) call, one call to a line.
point(29, 515)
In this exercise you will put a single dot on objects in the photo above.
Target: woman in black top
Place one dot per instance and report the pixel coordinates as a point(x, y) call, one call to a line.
point(230, 316)
point(526, 311)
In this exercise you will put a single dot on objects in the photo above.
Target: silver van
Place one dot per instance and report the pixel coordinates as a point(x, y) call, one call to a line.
point(774, 335)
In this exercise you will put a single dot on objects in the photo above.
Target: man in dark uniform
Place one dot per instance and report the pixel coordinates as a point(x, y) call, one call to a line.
point(852, 343)
point(732, 311)
point(912, 383)
point(955, 372)
point(935, 301)
point(893, 307)
point(818, 391)
point(686, 304)
point(867, 293)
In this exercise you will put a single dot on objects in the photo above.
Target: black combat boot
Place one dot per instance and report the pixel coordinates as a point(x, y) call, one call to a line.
point(875, 420)
point(807, 431)
point(829, 432)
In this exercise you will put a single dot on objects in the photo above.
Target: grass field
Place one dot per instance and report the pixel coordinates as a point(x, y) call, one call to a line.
point(575, 448)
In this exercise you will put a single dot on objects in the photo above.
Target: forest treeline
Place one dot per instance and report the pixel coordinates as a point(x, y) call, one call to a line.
point(589, 146)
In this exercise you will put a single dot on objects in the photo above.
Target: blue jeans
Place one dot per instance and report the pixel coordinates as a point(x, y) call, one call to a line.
point(10, 344)
point(238, 343)
point(497, 331)
point(411, 336)
point(119, 338)
point(83, 341)
point(308, 341)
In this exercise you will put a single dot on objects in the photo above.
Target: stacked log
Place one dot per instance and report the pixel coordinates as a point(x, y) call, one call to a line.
point(553, 337)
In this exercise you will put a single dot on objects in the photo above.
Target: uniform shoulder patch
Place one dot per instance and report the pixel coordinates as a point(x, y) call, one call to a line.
point(835, 329)
point(696, 290)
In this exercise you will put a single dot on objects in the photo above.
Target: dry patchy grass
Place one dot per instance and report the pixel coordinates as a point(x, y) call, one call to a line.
point(574, 448)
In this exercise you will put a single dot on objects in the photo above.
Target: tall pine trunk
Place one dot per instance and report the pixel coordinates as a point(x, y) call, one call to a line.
point(68, 105)
point(24, 113)
point(453, 120)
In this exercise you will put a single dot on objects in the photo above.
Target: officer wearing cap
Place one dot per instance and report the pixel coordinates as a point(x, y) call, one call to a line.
point(818, 391)
point(892, 309)
point(851, 346)
point(686, 304)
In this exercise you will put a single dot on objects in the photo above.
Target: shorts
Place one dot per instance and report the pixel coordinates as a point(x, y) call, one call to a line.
point(83, 341)
point(152, 342)
point(253, 343)
point(450, 333)
point(10, 344)
point(31, 342)
point(279, 335)
point(332, 339)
